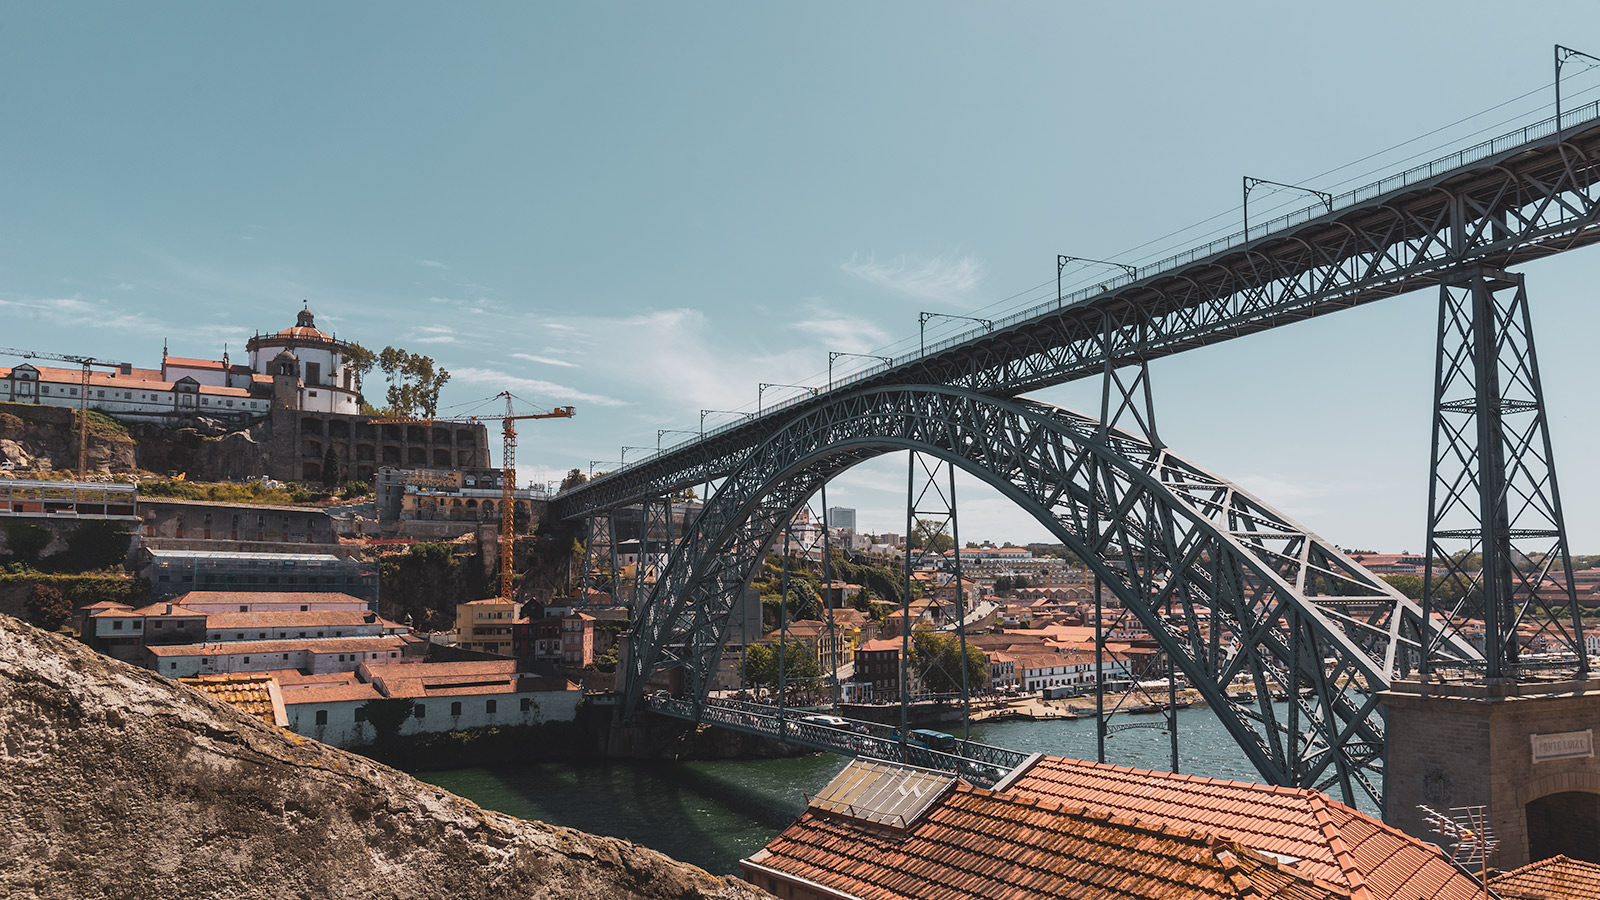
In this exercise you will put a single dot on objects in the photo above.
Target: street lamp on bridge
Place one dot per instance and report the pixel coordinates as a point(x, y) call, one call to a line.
point(600, 462)
point(762, 389)
point(922, 326)
point(625, 453)
point(1061, 263)
point(662, 431)
point(835, 354)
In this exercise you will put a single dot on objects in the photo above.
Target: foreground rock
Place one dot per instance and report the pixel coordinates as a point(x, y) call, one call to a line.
point(116, 783)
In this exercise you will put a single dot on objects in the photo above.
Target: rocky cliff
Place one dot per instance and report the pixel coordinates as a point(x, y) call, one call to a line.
point(116, 783)
point(47, 437)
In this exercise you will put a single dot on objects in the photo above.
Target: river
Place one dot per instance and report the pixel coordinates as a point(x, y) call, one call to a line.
point(712, 814)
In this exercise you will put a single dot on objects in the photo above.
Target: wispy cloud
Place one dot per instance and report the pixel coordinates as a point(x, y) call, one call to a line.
point(931, 278)
point(434, 334)
point(531, 388)
point(840, 331)
point(433, 264)
point(545, 360)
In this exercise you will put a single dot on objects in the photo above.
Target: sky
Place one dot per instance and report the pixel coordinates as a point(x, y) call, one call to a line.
point(645, 210)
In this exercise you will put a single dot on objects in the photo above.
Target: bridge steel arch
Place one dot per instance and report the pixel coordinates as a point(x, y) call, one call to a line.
point(1227, 586)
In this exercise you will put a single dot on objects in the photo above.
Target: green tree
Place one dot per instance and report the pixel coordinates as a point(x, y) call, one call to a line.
point(574, 478)
point(331, 470)
point(359, 360)
point(936, 663)
point(25, 541)
point(1004, 585)
point(761, 663)
point(414, 382)
point(47, 607)
point(928, 533)
point(1019, 582)
point(386, 716)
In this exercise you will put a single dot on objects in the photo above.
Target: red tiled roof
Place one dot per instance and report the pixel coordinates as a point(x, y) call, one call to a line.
point(1556, 878)
point(329, 693)
point(254, 693)
point(326, 618)
point(985, 845)
point(255, 598)
point(879, 645)
point(374, 644)
point(484, 667)
point(186, 363)
point(140, 379)
point(1331, 841)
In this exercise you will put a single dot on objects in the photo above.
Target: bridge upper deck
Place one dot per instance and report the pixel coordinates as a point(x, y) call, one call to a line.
point(1522, 196)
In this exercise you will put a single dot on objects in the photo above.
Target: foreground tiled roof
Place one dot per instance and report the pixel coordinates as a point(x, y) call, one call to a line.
point(997, 846)
point(1556, 878)
point(255, 694)
point(1329, 840)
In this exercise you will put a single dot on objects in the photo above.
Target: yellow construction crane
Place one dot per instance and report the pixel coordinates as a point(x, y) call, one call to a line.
point(508, 477)
point(83, 393)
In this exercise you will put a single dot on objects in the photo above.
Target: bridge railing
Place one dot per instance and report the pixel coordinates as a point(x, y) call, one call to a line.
point(980, 764)
point(1431, 169)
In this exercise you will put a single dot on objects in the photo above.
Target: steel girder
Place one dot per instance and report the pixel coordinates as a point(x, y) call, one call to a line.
point(1227, 586)
point(1528, 200)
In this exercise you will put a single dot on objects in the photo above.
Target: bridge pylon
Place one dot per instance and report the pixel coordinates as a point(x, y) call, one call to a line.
point(1497, 541)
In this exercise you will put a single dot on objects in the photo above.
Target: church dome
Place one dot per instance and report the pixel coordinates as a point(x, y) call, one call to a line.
point(305, 329)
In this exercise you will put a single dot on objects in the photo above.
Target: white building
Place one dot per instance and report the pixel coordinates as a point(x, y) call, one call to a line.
point(316, 359)
point(310, 362)
point(129, 393)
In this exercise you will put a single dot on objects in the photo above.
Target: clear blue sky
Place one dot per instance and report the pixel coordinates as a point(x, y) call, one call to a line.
point(645, 209)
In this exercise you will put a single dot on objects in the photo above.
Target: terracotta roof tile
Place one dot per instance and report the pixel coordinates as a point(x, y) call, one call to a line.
point(1556, 878)
point(1331, 841)
point(981, 844)
point(254, 693)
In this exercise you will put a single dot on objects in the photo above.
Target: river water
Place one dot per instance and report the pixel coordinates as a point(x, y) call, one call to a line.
point(712, 814)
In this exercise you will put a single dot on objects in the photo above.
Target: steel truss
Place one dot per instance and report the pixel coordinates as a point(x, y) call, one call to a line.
point(1251, 593)
point(600, 571)
point(1514, 200)
point(1492, 494)
point(655, 543)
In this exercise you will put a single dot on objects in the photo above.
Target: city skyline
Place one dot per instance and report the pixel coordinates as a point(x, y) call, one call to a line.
point(647, 215)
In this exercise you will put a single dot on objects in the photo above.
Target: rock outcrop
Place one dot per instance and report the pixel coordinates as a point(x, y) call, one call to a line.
point(117, 783)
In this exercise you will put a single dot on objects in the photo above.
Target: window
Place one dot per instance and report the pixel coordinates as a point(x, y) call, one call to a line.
point(322, 717)
point(244, 609)
point(172, 665)
point(304, 608)
point(455, 708)
point(488, 706)
point(247, 659)
point(160, 624)
point(116, 626)
point(527, 703)
point(419, 711)
point(238, 637)
point(286, 656)
point(361, 714)
point(136, 625)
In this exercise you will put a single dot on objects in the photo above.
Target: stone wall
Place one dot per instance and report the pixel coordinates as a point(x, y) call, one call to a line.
point(1452, 745)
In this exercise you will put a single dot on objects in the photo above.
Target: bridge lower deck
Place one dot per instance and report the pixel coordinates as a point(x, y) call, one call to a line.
point(979, 764)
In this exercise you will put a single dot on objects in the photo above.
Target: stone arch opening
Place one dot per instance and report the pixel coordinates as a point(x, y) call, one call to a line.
point(1566, 823)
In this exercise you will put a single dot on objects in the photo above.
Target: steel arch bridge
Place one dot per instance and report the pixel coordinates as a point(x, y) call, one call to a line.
point(1174, 543)
point(1225, 584)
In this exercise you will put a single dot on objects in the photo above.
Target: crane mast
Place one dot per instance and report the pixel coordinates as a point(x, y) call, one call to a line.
point(508, 473)
point(83, 394)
